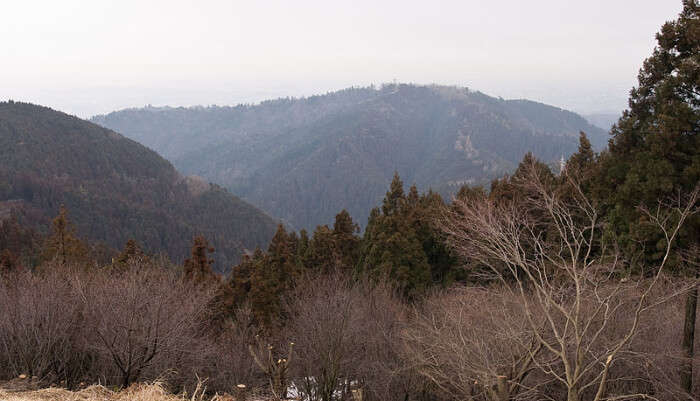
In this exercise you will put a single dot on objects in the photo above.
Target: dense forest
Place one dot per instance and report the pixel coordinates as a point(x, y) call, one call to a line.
point(302, 160)
point(114, 189)
point(574, 283)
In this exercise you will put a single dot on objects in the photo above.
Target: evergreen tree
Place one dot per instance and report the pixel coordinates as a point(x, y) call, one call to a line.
point(197, 267)
point(655, 151)
point(302, 248)
point(346, 240)
point(266, 289)
point(583, 159)
point(322, 255)
point(467, 192)
point(394, 198)
point(423, 212)
point(63, 245)
point(510, 188)
point(240, 278)
point(655, 147)
point(281, 255)
point(131, 252)
point(391, 248)
point(396, 253)
point(336, 249)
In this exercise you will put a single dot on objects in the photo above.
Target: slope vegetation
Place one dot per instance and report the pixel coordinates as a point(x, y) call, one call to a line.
point(305, 159)
point(114, 188)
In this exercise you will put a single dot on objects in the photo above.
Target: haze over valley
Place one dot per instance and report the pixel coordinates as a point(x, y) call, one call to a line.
point(317, 200)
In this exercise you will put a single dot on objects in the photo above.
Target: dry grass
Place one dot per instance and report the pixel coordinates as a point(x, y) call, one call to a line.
point(137, 392)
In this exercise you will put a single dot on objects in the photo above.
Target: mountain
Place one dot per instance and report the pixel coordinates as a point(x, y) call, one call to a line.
point(115, 189)
point(603, 120)
point(306, 159)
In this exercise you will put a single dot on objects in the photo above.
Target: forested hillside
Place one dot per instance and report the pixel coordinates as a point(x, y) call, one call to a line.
point(305, 159)
point(114, 188)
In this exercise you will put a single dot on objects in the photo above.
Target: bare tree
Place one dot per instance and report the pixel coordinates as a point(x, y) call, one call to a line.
point(549, 251)
point(475, 343)
point(323, 323)
point(225, 358)
point(42, 333)
point(141, 315)
point(347, 335)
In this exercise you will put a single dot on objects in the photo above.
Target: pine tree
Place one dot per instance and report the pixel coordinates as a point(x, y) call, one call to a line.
point(394, 199)
point(302, 248)
point(583, 160)
point(266, 289)
point(396, 253)
point(239, 279)
point(422, 215)
point(346, 240)
point(467, 192)
point(321, 255)
point(197, 267)
point(63, 246)
point(655, 146)
point(281, 256)
point(580, 170)
point(131, 253)
point(391, 248)
point(515, 191)
point(655, 150)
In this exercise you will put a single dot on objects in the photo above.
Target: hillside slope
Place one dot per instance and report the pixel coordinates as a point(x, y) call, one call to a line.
point(114, 188)
point(305, 159)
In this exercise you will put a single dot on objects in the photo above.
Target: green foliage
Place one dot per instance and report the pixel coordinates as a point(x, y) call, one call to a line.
point(321, 255)
point(266, 290)
point(509, 188)
point(584, 158)
point(346, 240)
point(336, 249)
point(655, 146)
point(400, 243)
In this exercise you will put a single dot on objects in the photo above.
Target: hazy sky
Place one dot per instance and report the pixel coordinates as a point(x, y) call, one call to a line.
point(95, 56)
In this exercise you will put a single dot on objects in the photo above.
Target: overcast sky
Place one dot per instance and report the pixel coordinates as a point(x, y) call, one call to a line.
point(95, 56)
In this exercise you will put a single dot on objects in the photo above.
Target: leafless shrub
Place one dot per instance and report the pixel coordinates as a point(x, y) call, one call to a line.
point(347, 338)
point(142, 318)
point(225, 358)
point(475, 343)
point(68, 324)
point(385, 373)
point(323, 321)
point(274, 365)
point(42, 329)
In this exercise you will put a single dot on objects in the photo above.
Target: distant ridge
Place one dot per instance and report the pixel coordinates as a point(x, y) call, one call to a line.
point(306, 159)
point(604, 121)
point(115, 189)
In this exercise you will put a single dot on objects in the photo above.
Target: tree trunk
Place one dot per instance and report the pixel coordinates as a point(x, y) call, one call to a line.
point(573, 395)
point(502, 388)
point(691, 306)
